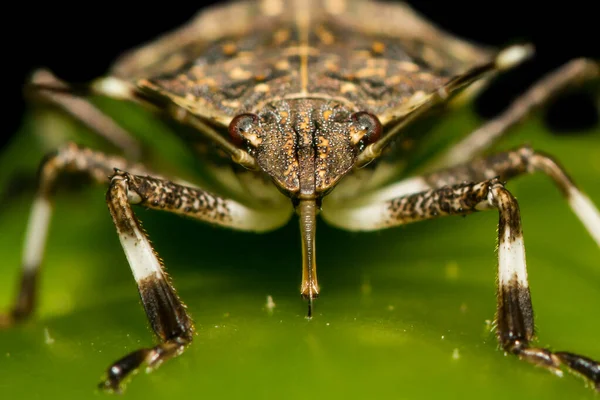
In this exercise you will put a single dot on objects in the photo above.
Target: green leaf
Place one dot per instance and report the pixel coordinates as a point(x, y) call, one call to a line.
point(404, 313)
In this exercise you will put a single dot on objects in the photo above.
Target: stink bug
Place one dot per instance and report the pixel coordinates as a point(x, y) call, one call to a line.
point(307, 108)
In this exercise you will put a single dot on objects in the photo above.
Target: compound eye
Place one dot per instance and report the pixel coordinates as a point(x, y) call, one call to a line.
point(241, 128)
point(367, 128)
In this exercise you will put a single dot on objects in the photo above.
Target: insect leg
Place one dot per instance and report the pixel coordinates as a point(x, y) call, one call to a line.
point(505, 166)
point(574, 72)
point(452, 192)
point(164, 309)
point(510, 164)
point(68, 159)
point(85, 112)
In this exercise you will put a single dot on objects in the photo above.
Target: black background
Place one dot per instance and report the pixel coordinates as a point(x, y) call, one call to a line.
point(79, 41)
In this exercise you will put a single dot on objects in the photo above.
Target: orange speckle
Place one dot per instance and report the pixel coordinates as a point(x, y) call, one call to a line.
point(378, 47)
point(348, 87)
point(239, 73)
point(332, 66)
point(282, 65)
point(281, 36)
point(408, 66)
point(229, 49)
point(262, 88)
point(325, 36)
point(284, 116)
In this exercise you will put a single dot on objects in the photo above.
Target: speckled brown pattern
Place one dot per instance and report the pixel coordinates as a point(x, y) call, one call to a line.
point(309, 49)
point(165, 195)
point(458, 199)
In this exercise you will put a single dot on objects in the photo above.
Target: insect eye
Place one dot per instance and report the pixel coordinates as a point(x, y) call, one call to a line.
point(367, 128)
point(240, 127)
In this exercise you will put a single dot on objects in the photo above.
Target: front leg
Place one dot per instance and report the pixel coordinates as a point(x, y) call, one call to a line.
point(452, 192)
point(165, 311)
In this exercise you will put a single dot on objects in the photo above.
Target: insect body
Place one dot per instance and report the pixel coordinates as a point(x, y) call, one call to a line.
point(311, 108)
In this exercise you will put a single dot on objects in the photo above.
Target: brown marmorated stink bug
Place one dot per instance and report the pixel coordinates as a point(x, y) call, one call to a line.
point(310, 107)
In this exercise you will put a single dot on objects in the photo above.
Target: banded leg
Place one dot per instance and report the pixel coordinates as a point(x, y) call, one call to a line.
point(574, 72)
point(442, 194)
point(69, 159)
point(508, 165)
point(504, 165)
point(165, 311)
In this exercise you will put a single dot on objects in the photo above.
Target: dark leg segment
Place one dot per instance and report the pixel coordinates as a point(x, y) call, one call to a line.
point(164, 309)
point(514, 319)
point(454, 193)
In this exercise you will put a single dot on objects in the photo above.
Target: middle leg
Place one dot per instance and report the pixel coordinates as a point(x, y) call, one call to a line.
point(505, 166)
